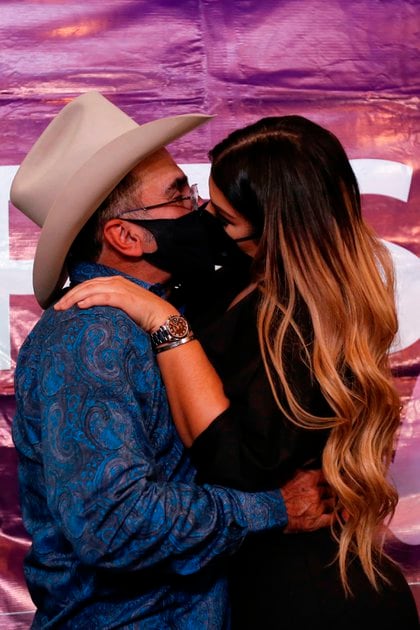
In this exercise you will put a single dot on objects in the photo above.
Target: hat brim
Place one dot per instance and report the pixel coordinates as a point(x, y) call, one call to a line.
point(88, 188)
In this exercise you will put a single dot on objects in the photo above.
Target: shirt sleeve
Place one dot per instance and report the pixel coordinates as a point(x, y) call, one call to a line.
point(98, 383)
point(252, 445)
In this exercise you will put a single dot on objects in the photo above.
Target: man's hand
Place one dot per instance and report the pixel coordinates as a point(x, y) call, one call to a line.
point(309, 502)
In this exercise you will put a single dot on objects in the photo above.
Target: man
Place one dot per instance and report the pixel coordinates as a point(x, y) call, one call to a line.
point(121, 535)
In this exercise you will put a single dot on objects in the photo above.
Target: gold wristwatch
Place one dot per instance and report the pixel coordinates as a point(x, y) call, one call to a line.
point(175, 329)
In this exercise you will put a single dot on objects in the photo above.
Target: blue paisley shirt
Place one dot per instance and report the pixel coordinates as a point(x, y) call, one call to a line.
point(122, 536)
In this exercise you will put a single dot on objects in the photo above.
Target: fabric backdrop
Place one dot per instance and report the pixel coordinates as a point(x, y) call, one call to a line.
point(351, 66)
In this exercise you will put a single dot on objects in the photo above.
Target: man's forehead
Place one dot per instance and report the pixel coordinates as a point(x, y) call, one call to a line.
point(159, 164)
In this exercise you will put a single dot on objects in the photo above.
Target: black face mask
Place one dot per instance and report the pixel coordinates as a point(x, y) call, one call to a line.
point(193, 246)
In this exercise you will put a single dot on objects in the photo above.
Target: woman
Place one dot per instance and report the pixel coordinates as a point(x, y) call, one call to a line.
point(298, 375)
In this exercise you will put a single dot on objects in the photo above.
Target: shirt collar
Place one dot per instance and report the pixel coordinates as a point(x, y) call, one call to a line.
point(81, 271)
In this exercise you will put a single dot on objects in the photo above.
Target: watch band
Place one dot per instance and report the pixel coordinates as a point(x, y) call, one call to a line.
point(173, 344)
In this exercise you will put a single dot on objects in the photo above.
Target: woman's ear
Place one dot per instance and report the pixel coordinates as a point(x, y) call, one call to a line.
point(128, 238)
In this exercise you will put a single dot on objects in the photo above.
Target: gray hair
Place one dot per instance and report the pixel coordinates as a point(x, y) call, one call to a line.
point(87, 245)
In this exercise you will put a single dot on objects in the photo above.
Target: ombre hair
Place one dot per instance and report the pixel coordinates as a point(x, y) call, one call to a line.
point(293, 181)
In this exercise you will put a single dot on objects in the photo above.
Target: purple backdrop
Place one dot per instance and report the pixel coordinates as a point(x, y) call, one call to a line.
point(352, 66)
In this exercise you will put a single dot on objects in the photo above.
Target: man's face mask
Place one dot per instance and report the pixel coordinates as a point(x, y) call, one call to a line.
point(193, 245)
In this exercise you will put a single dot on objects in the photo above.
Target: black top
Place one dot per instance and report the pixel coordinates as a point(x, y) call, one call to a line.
point(279, 580)
point(253, 445)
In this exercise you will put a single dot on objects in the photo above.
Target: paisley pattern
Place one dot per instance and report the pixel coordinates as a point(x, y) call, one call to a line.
point(119, 528)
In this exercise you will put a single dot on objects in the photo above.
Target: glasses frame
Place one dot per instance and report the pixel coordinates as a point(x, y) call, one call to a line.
point(193, 197)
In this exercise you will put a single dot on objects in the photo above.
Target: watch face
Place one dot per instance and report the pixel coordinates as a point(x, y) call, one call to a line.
point(178, 326)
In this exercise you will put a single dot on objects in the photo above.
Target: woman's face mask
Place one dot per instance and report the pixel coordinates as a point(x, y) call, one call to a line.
point(193, 245)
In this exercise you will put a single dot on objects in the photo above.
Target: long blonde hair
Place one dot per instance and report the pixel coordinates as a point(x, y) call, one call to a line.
point(292, 179)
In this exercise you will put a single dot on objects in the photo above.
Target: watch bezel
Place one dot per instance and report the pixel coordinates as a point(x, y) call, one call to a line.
point(172, 325)
point(170, 331)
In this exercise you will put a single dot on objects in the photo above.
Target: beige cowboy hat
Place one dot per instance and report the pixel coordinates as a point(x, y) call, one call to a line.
point(74, 165)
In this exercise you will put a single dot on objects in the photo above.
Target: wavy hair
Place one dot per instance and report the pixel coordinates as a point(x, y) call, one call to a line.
point(292, 180)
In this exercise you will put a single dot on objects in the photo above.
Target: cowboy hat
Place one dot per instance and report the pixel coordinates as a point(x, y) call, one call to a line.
point(76, 162)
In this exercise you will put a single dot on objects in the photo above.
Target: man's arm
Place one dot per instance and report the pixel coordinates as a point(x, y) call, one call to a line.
point(102, 481)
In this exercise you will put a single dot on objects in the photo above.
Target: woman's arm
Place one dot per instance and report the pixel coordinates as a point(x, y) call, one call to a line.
point(195, 391)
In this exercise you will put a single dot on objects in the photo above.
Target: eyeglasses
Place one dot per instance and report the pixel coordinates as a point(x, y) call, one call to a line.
point(193, 197)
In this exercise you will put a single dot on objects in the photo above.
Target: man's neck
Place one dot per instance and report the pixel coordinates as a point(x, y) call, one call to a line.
point(137, 268)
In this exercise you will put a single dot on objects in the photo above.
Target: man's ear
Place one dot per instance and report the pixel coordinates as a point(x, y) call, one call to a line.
point(127, 238)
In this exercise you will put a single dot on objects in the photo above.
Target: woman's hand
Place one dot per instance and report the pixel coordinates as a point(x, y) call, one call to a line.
point(194, 389)
point(148, 310)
